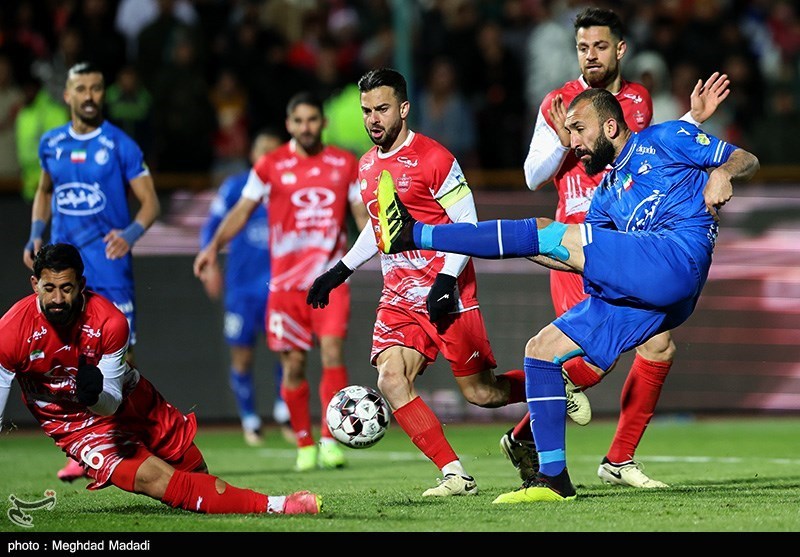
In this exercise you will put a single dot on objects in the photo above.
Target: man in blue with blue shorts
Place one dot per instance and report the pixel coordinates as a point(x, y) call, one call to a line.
point(246, 290)
point(644, 252)
point(89, 168)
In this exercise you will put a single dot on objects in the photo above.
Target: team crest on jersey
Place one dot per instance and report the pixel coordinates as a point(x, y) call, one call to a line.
point(79, 199)
point(639, 117)
point(702, 139)
point(403, 183)
point(288, 178)
point(101, 156)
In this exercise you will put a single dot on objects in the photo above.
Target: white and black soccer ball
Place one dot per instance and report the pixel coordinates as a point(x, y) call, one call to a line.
point(358, 416)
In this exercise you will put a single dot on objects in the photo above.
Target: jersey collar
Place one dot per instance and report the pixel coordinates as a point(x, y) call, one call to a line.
point(405, 143)
point(84, 136)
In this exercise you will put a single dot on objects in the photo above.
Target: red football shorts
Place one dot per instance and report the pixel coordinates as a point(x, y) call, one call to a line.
point(463, 342)
point(144, 424)
point(292, 323)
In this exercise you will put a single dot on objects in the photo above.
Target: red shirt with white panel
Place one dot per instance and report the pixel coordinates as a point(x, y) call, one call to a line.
point(308, 200)
point(575, 187)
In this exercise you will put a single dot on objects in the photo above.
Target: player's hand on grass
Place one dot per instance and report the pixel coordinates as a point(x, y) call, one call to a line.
point(319, 292)
point(442, 297)
point(88, 382)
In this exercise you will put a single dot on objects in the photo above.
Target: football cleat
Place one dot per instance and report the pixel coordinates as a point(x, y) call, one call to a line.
point(71, 471)
point(303, 502)
point(522, 455)
point(331, 455)
point(578, 406)
point(252, 437)
point(306, 458)
point(629, 474)
point(453, 484)
point(396, 226)
point(541, 488)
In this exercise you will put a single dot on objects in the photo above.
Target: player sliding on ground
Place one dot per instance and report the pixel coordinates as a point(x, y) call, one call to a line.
point(644, 253)
point(67, 346)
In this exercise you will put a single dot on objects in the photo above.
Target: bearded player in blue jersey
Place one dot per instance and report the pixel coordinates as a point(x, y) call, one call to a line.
point(89, 168)
point(644, 252)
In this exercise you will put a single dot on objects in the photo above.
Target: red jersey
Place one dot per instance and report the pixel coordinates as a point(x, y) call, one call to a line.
point(44, 358)
point(308, 199)
point(575, 187)
point(424, 175)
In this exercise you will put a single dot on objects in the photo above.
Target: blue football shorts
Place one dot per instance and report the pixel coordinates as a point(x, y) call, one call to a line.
point(244, 319)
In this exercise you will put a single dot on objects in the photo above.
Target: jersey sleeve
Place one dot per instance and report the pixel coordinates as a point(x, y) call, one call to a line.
point(693, 146)
point(452, 185)
point(353, 190)
point(131, 159)
point(216, 212)
point(256, 188)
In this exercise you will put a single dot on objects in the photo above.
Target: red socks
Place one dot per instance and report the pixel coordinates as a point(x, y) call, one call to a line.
point(581, 374)
point(515, 378)
point(637, 405)
point(332, 381)
point(299, 416)
point(197, 492)
point(425, 430)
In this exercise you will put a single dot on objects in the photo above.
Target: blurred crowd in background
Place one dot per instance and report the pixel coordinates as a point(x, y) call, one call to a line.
point(193, 80)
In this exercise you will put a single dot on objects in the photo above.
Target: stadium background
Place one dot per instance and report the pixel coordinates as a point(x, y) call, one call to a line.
point(739, 352)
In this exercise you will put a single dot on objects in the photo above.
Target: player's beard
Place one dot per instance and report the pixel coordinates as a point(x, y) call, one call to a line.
point(93, 120)
point(600, 156)
point(310, 143)
point(60, 318)
point(389, 136)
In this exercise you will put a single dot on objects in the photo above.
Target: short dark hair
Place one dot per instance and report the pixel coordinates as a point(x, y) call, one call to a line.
point(83, 68)
point(58, 257)
point(600, 17)
point(304, 97)
point(604, 103)
point(385, 77)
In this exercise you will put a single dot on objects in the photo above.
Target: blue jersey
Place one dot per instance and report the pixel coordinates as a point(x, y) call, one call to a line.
point(91, 176)
point(247, 266)
point(656, 185)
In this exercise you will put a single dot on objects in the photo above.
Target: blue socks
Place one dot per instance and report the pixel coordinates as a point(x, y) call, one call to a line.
point(492, 239)
point(244, 390)
point(547, 403)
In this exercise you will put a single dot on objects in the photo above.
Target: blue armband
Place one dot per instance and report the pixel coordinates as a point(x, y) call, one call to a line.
point(37, 231)
point(132, 233)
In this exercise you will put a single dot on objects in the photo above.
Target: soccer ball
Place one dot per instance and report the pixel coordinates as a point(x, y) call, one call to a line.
point(358, 416)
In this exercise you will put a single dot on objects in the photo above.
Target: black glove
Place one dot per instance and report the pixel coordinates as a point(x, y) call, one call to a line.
point(327, 281)
point(88, 382)
point(442, 297)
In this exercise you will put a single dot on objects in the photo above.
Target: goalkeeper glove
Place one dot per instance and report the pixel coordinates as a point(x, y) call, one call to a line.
point(442, 297)
point(88, 382)
point(327, 281)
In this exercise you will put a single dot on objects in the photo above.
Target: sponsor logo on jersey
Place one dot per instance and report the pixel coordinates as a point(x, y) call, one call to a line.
point(37, 334)
point(77, 156)
point(702, 139)
point(682, 131)
point(313, 171)
point(645, 150)
point(408, 163)
point(79, 199)
point(644, 168)
point(91, 333)
point(367, 165)
point(286, 163)
point(59, 150)
point(334, 161)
